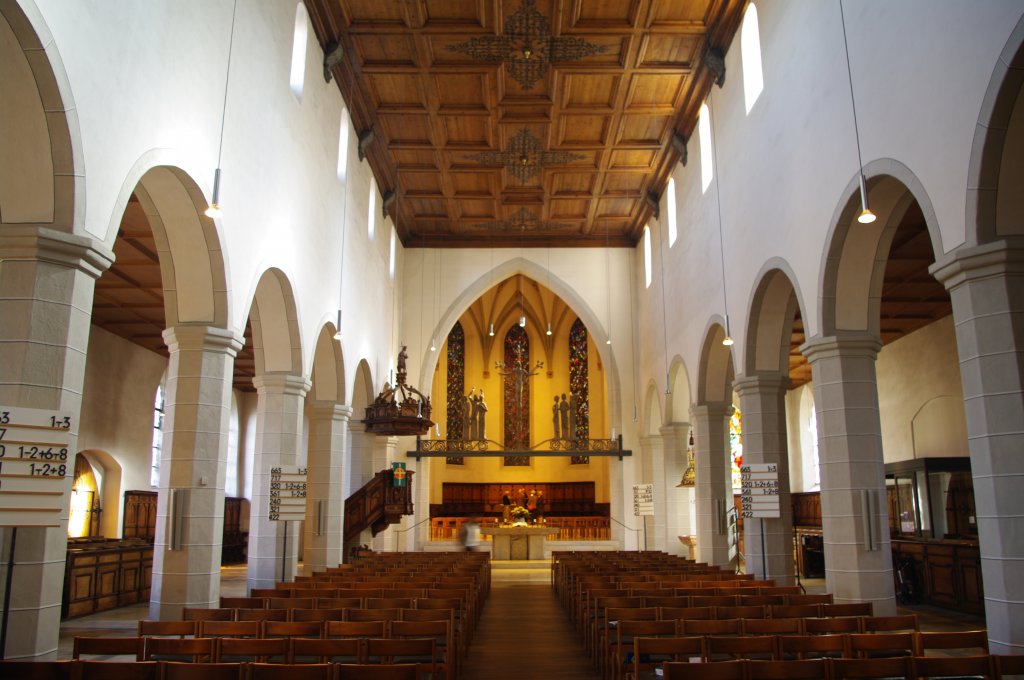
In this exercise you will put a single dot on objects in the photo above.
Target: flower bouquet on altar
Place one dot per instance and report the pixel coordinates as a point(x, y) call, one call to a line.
point(520, 516)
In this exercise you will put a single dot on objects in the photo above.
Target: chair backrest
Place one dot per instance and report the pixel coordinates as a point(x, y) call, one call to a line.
point(803, 669)
point(795, 611)
point(189, 650)
point(773, 626)
point(355, 629)
point(975, 640)
point(291, 602)
point(814, 646)
point(741, 612)
point(202, 671)
point(149, 628)
point(289, 629)
point(714, 600)
point(263, 650)
point(388, 603)
point(114, 670)
point(262, 614)
point(686, 613)
point(242, 602)
point(719, 647)
point(881, 644)
point(317, 614)
point(810, 598)
point(338, 603)
point(403, 671)
point(889, 624)
point(1004, 665)
point(954, 666)
point(276, 671)
point(428, 615)
point(204, 614)
point(847, 609)
point(666, 601)
point(107, 647)
point(374, 614)
point(711, 627)
point(331, 650)
point(891, 667)
point(846, 624)
point(722, 670)
point(214, 628)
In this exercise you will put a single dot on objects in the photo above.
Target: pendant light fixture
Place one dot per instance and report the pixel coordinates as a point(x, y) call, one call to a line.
point(727, 340)
point(491, 331)
point(213, 210)
point(608, 284)
point(549, 288)
point(865, 216)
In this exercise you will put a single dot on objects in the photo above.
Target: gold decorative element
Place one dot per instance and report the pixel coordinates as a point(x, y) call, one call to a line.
point(388, 416)
point(524, 156)
point(526, 46)
point(690, 475)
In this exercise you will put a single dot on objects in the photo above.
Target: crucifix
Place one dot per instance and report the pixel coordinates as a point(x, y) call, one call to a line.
point(518, 373)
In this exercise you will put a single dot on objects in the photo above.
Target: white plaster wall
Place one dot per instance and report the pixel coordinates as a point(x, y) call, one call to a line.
point(148, 82)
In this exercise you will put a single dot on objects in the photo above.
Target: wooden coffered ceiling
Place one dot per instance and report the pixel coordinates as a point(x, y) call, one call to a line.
point(621, 78)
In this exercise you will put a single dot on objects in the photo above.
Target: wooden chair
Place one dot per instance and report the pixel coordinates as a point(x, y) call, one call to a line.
point(974, 640)
point(258, 650)
point(806, 669)
point(847, 609)
point(714, 600)
point(741, 612)
point(214, 629)
point(711, 627)
point(241, 602)
point(894, 667)
point(419, 651)
point(666, 600)
point(338, 603)
point(333, 650)
point(621, 646)
point(291, 602)
point(117, 670)
point(39, 670)
point(356, 629)
point(402, 671)
point(202, 671)
point(761, 600)
point(836, 626)
point(439, 631)
point(809, 598)
point(723, 670)
point(388, 603)
point(276, 671)
point(261, 615)
point(1004, 665)
point(686, 613)
point(890, 624)
point(290, 629)
point(189, 650)
point(874, 645)
point(954, 667)
point(725, 647)
point(107, 647)
point(179, 629)
point(205, 614)
point(317, 614)
point(795, 611)
point(813, 646)
point(773, 626)
point(649, 653)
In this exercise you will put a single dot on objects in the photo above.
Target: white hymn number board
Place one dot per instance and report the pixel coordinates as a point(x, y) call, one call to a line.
point(759, 497)
point(36, 457)
point(287, 493)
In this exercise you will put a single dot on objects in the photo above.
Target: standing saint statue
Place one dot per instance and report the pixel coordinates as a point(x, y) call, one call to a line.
point(563, 412)
point(481, 410)
point(573, 403)
point(555, 420)
point(466, 404)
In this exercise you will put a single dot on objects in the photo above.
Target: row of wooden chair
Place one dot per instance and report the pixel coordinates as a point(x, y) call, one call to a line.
point(164, 670)
point(910, 667)
point(328, 609)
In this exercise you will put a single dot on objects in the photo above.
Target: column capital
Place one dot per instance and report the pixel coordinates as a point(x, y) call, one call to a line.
point(25, 242)
point(970, 263)
point(282, 383)
point(712, 409)
point(204, 338)
point(773, 383)
point(858, 344)
point(651, 441)
point(330, 410)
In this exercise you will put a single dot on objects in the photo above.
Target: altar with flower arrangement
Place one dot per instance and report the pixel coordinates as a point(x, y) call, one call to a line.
point(518, 542)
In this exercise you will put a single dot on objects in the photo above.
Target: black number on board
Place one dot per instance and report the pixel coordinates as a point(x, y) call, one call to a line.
point(5, 417)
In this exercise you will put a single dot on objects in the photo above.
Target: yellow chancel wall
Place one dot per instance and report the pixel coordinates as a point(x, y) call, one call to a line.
point(503, 305)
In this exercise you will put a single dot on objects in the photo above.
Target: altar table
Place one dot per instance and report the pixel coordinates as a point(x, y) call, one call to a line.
point(518, 543)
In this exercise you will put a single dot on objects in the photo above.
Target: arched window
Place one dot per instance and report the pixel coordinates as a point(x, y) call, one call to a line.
point(647, 256)
point(371, 215)
point(517, 393)
point(391, 254)
point(736, 447)
point(579, 384)
point(457, 426)
point(297, 75)
point(750, 51)
point(231, 474)
point(343, 137)
point(670, 208)
point(158, 436)
point(707, 170)
point(812, 430)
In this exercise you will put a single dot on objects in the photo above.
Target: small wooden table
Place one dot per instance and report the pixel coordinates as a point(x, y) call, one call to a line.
point(518, 543)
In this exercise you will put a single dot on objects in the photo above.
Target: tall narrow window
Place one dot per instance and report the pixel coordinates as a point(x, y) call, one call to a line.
point(670, 208)
point(647, 256)
point(460, 406)
point(517, 395)
point(297, 75)
point(707, 171)
point(343, 136)
point(579, 387)
point(231, 474)
point(158, 436)
point(371, 215)
point(391, 254)
point(750, 51)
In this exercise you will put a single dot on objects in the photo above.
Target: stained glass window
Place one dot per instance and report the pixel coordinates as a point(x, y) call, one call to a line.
point(456, 388)
point(736, 446)
point(579, 384)
point(517, 396)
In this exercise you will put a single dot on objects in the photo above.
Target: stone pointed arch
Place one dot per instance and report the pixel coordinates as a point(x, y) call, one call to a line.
point(193, 269)
point(770, 316)
point(328, 370)
point(996, 170)
point(276, 339)
point(42, 180)
point(680, 397)
point(362, 389)
point(653, 414)
point(714, 382)
point(556, 285)
point(853, 264)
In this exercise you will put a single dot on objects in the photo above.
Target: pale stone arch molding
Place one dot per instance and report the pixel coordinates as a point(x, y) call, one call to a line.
point(714, 381)
point(41, 180)
point(328, 370)
point(995, 204)
point(680, 398)
point(110, 489)
point(557, 286)
point(653, 418)
point(771, 313)
point(193, 268)
point(853, 264)
point(362, 389)
point(276, 338)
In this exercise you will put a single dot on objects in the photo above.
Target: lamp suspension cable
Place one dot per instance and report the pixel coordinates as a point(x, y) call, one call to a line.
point(344, 231)
point(633, 334)
point(727, 340)
point(437, 301)
point(865, 216)
point(494, 297)
point(213, 210)
point(608, 284)
point(549, 288)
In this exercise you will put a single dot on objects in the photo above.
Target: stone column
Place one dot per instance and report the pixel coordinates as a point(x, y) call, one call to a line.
point(361, 457)
point(193, 465)
point(854, 510)
point(278, 438)
point(714, 487)
point(328, 437)
point(674, 437)
point(383, 453)
point(47, 279)
point(763, 404)
point(986, 284)
point(653, 537)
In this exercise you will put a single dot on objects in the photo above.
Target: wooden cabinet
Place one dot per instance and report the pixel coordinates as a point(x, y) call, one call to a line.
point(948, 573)
point(139, 515)
point(102, 574)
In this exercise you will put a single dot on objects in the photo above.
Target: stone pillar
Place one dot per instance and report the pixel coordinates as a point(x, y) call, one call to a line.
point(675, 437)
point(383, 453)
point(328, 437)
point(360, 457)
point(653, 537)
point(763, 404)
point(986, 284)
point(193, 465)
point(714, 487)
point(278, 438)
point(854, 510)
point(47, 279)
